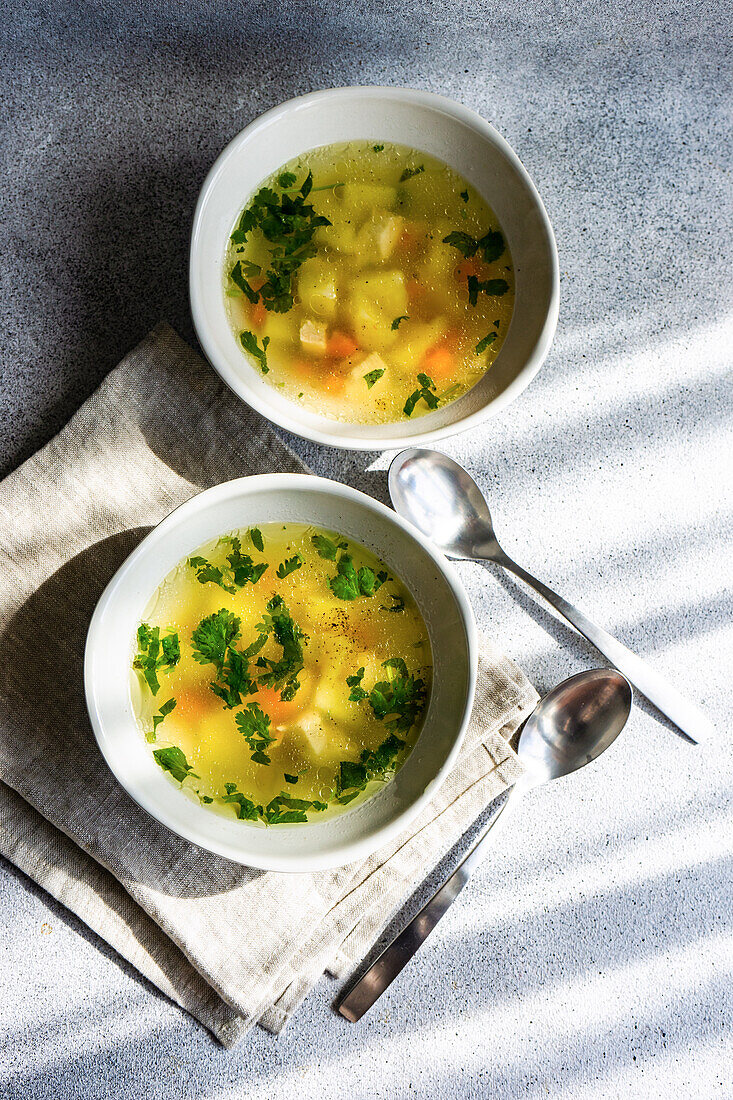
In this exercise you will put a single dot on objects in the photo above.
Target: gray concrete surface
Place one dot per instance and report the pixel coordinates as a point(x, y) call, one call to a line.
point(610, 476)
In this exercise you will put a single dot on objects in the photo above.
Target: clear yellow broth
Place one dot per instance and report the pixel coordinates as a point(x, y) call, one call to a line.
point(326, 611)
point(398, 306)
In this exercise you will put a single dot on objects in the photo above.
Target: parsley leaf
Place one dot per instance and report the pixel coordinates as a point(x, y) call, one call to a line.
point(354, 682)
point(486, 342)
point(398, 321)
point(290, 778)
point(155, 653)
point(464, 242)
point(159, 717)
point(464, 196)
point(213, 636)
point(283, 674)
point(174, 761)
point(254, 725)
point(286, 179)
point(245, 807)
point(289, 566)
point(491, 245)
point(373, 376)
point(489, 286)
point(398, 604)
point(234, 679)
point(257, 540)
point(237, 276)
point(325, 547)
point(377, 148)
point(283, 809)
point(426, 392)
point(353, 776)
point(248, 341)
point(410, 172)
point(206, 572)
point(399, 701)
point(242, 567)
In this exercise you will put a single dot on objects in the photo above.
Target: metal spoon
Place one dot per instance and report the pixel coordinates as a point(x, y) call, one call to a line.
point(444, 502)
point(571, 726)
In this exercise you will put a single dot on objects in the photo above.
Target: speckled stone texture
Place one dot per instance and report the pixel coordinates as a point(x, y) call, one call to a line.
point(609, 476)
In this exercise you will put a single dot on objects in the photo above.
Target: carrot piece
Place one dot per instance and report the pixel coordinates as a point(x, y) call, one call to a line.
point(438, 362)
point(469, 267)
point(415, 290)
point(332, 381)
point(276, 708)
point(258, 314)
point(340, 345)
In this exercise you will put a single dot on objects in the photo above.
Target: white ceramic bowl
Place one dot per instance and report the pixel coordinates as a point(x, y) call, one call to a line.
point(434, 125)
point(246, 502)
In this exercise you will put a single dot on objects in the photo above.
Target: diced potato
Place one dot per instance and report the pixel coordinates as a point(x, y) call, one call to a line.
point(313, 337)
point(385, 289)
point(372, 362)
point(388, 234)
point(371, 325)
point(417, 338)
point(280, 326)
point(358, 200)
point(317, 287)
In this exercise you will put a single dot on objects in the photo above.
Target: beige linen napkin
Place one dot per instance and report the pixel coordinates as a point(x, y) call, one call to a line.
point(232, 945)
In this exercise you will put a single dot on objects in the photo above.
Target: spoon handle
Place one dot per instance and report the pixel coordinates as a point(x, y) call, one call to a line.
point(398, 953)
point(680, 711)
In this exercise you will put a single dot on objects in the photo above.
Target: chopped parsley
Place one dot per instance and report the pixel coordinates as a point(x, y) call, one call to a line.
point(464, 196)
point(486, 342)
point(288, 223)
point(377, 148)
point(234, 680)
point(289, 566)
point(159, 717)
point(283, 674)
point(488, 286)
point(257, 540)
point(207, 573)
point(350, 583)
point(241, 269)
point(490, 246)
point(155, 653)
point(426, 392)
point(213, 636)
point(398, 321)
point(290, 778)
point(325, 547)
point(174, 761)
point(373, 376)
point(398, 604)
point(241, 568)
point(410, 172)
point(353, 776)
point(248, 340)
point(245, 807)
point(254, 725)
point(283, 809)
point(398, 701)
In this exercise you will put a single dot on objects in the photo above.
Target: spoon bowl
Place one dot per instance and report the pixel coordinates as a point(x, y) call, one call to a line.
point(443, 501)
point(574, 724)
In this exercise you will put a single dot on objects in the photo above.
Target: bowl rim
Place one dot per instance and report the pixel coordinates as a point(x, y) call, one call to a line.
point(335, 856)
point(331, 437)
